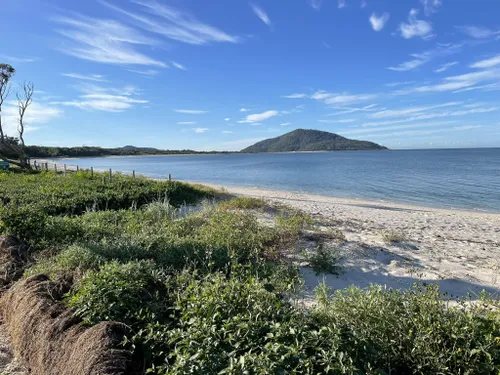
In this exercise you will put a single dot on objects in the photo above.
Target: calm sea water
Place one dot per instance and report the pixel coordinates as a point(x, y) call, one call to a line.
point(465, 178)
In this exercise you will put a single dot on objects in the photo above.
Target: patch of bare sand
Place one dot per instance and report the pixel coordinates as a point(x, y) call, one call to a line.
point(459, 250)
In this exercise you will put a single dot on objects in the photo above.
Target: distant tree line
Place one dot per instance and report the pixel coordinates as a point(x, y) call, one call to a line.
point(90, 151)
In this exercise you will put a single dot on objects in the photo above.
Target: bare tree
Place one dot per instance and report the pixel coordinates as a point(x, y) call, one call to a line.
point(6, 73)
point(23, 102)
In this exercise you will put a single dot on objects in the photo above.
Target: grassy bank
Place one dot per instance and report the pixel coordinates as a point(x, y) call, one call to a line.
point(206, 287)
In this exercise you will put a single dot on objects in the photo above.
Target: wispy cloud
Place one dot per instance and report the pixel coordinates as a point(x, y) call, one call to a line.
point(478, 32)
point(175, 24)
point(316, 4)
point(340, 4)
point(378, 22)
point(227, 119)
point(200, 130)
point(422, 58)
point(38, 113)
point(457, 83)
point(295, 96)
point(103, 41)
point(343, 121)
point(340, 98)
point(286, 123)
point(445, 67)
point(191, 111)
point(258, 117)
point(347, 110)
point(395, 84)
point(178, 66)
point(416, 133)
point(259, 12)
point(431, 6)
point(410, 110)
point(415, 27)
point(398, 127)
point(488, 63)
point(227, 132)
point(244, 110)
point(86, 77)
point(186, 123)
point(104, 102)
point(148, 72)
point(19, 60)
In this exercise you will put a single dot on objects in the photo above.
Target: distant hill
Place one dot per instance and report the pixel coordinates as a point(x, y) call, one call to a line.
point(311, 140)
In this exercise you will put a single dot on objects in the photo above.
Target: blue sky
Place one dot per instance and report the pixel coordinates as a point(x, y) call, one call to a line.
point(224, 74)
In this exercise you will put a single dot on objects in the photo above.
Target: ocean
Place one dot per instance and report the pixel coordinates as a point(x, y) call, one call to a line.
point(453, 178)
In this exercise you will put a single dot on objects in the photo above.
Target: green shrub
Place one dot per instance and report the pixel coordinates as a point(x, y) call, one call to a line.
point(411, 332)
point(130, 293)
point(325, 259)
point(243, 203)
point(392, 236)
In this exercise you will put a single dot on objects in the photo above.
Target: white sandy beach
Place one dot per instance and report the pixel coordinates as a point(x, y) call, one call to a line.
point(460, 250)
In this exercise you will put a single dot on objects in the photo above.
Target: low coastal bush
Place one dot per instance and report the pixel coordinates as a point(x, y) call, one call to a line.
point(392, 236)
point(325, 259)
point(243, 203)
point(27, 199)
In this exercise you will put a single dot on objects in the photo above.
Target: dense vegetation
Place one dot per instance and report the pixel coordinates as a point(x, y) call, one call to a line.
point(86, 151)
point(205, 288)
point(311, 140)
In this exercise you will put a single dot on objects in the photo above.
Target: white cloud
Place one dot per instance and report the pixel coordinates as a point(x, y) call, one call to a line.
point(341, 4)
point(175, 24)
point(200, 130)
point(295, 96)
point(457, 83)
point(343, 121)
point(186, 123)
point(36, 114)
point(19, 60)
point(416, 133)
point(104, 41)
point(148, 72)
point(422, 58)
point(411, 110)
point(191, 111)
point(431, 6)
point(395, 84)
point(178, 66)
point(488, 63)
point(478, 32)
point(261, 14)
point(227, 119)
point(316, 4)
point(227, 132)
point(244, 110)
point(340, 98)
point(257, 117)
point(285, 123)
point(347, 110)
point(377, 22)
point(86, 77)
point(363, 4)
point(415, 27)
point(445, 67)
point(398, 127)
point(103, 102)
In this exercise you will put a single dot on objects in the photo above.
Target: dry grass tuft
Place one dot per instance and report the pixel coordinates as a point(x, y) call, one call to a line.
point(392, 236)
point(13, 259)
point(50, 340)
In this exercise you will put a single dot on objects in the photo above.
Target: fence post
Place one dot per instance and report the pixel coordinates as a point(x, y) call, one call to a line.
point(47, 167)
point(133, 174)
point(91, 172)
point(55, 167)
point(34, 164)
point(65, 169)
point(77, 168)
point(110, 175)
point(169, 177)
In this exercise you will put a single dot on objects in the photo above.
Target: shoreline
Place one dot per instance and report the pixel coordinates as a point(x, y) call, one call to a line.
point(458, 250)
point(376, 204)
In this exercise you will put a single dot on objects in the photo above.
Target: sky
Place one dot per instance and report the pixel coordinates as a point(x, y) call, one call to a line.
point(224, 74)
